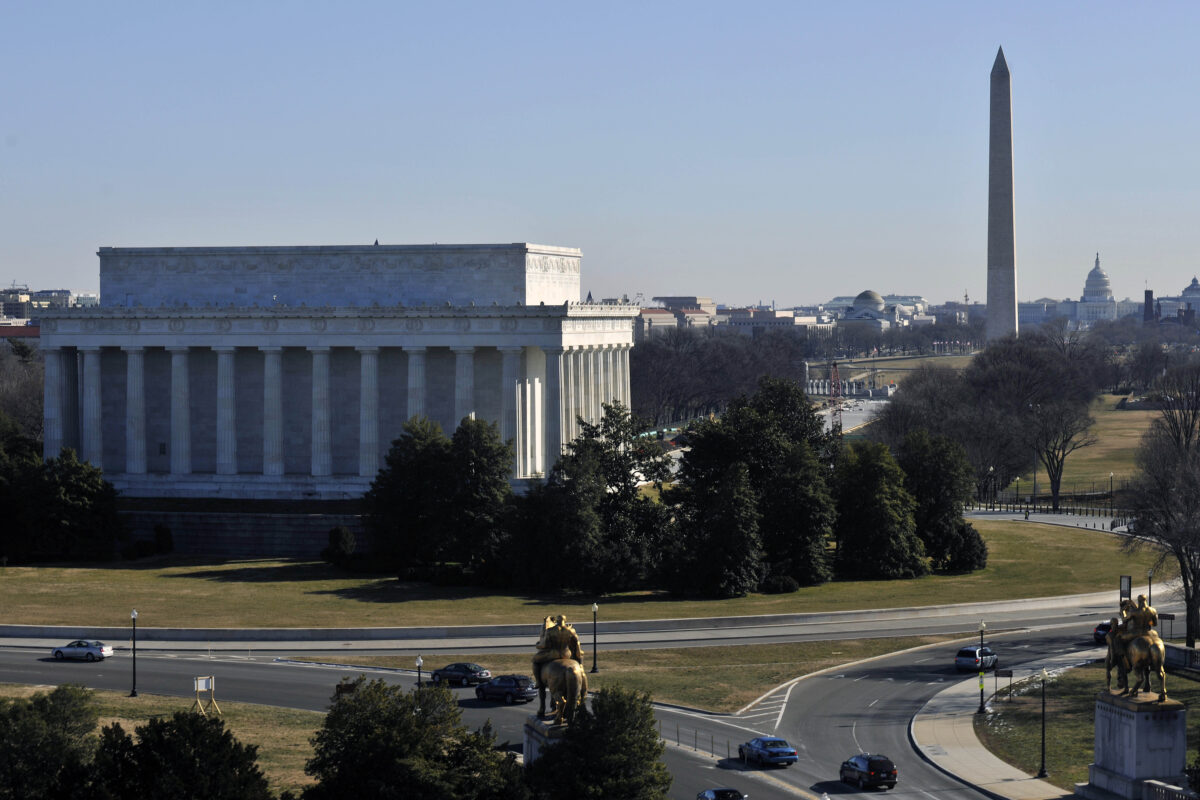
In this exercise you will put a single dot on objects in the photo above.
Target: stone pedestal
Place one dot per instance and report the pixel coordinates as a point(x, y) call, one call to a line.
point(539, 734)
point(1136, 741)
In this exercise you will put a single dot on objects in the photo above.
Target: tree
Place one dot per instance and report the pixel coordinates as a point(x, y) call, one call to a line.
point(722, 556)
point(46, 744)
point(186, 757)
point(780, 439)
point(381, 741)
point(610, 751)
point(407, 505)
point(875, 530)
point(938, 476)
point(1055, 430)
point(21, 378)
point(482, 464)
point(1165, 492)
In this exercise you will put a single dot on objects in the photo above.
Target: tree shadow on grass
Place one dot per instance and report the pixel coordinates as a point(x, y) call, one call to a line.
point(272, 572)
point(391, 590)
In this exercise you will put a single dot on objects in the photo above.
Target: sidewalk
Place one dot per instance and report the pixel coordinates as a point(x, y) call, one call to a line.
point(943, 732)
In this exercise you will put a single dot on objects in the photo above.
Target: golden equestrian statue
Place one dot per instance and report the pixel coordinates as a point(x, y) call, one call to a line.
point(558, 667)
point(1134, 646)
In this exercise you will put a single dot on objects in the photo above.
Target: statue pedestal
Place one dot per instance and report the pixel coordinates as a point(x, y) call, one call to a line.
point(539, 734)
point(1136, 741)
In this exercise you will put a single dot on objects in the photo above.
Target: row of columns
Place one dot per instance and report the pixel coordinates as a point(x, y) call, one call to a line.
point(577, 381)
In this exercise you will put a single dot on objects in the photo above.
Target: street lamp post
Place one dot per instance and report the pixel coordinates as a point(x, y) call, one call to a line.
point(420, 661)
point(133, 617)
point(982, 628)
point(1018, 490)
point(1150, 586)
point(1042, 771)
point(1111, 504)
point(991, 488)
point(595, 608)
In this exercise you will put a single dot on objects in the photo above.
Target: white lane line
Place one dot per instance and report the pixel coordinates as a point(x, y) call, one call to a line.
point(861, 677)
point(854, 735)
point(873, 702)
point(783, 707)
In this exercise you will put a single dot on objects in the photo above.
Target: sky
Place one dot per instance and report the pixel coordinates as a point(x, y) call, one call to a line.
point(750, 151)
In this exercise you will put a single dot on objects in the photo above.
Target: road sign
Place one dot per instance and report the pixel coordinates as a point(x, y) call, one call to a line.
point(1126, 587)
point(1166, 616)
point(1004, 673)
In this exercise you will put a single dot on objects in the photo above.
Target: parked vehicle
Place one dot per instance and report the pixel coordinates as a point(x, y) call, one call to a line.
point(767, 750)
point(976, 659)
point(82, 648)
point(509, 688)
point(462, 673)
point(1100, 634)
point(721, 794)
point(867, 771)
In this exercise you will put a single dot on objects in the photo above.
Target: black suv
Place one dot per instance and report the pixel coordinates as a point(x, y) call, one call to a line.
point(462, 673)
point(867, 771)
point(509, 688)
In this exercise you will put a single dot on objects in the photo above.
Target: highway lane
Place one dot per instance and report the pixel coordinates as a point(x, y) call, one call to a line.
point(262, 679)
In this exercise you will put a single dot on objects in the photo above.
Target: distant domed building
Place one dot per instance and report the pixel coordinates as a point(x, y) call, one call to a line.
point(868, 301)
point(1097, 303)
point(1097, 289)
point(868, 309)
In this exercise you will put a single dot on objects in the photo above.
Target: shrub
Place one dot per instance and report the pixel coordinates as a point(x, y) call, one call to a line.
point(163, 541)
point(341, 546)
point(779, 584)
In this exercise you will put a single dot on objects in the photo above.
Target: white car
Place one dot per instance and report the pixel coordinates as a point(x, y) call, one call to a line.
point(976, 659)
point(82, 648)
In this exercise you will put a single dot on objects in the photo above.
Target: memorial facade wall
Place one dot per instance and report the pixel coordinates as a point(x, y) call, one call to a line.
point(276, 400)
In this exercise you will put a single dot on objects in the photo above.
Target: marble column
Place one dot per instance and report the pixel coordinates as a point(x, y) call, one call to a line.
point(226, 412)
point(552, 418)
point(607, 372)
point(70, 399)
point(181, 413)
point(135, 410)
point(92, 434)
point(416, 381)
point(570, 381)
point(368, 411)
point(510, 373)
point(52, 404)
point(591, 393)
point(626, 398)
point(464, 383)
point(322, 440)
point(579, 402)
point(272, 410)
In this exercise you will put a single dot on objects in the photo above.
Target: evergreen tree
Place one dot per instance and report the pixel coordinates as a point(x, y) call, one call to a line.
point(407, 506)
point(941, 481)
point(481, 492)
point(46, 744)
point(723, 557)
point(381, 741)
point(186, 757)
point(610, 751)
point(875, 530)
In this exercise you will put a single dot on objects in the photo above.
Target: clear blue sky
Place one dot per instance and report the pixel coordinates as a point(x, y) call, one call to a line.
point(790, 151)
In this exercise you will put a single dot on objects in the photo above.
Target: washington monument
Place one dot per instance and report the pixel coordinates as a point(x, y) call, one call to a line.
point(1001, 246)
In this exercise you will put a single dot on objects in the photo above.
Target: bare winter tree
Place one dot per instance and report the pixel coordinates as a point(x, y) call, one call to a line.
point(21, 376)
point(1166, 490)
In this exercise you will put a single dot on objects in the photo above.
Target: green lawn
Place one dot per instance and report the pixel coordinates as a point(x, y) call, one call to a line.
point(282, 734)
point(1012, 730)
point(1026, 559)
point(1119, 432)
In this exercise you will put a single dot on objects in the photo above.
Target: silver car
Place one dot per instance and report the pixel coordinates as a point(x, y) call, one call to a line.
point(82, 648)
point(976, 659)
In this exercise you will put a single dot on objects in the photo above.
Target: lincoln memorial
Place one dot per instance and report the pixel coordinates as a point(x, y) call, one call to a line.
point(286, 372)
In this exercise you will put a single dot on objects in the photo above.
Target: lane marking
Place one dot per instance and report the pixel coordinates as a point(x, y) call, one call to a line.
point(873, 702)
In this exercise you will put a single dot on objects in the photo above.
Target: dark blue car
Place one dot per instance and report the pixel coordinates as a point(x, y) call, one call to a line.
point(767, 750)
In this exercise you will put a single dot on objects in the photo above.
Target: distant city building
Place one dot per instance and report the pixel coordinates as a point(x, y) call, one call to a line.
point(704, 304)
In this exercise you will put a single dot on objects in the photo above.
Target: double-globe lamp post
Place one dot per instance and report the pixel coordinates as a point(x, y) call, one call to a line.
point(133, 617)
point(982, 628)
point(420, 661)
point(595, 608)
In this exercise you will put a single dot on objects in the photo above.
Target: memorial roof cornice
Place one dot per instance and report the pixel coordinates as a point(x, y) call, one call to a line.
point(381, 311)
point(527, 247)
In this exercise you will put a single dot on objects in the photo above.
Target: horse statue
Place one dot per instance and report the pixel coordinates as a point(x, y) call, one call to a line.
point(1138, 654)
point(558, 669)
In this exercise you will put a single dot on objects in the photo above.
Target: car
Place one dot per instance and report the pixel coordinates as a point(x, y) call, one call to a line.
point(509, 688)
point(868, 770)
point(976, 659)
point(767, 750)
point(462, 673)
point(1100, 633)
point(87, 649)
point(721, 794)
